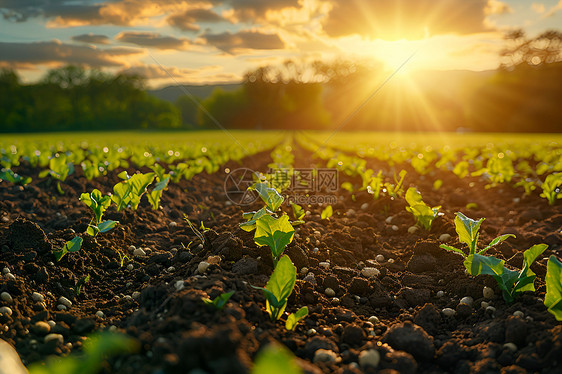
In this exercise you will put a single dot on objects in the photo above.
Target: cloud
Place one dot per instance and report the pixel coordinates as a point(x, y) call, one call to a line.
point(247, 10)
point(152, 40)
point(497, 7)
point(410, 19)
point(243, 40)
point(54, 52)
point(202, 75)
point(554, 9)
point(538, 7)
point(91, 38)
point(187, 21)
point(157, 71)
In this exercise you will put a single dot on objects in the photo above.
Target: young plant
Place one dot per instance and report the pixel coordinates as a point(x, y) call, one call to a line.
point(551, 188)
point(397, 189)
point(81, 282)
point(279, 287)
point(275, 359)
point(327, 212)
point(98, 204)
point(73, 245)
point(155, 195)
point(104, 226)
point(423, 214)
point(220, 301)
point(299, 214)
point(276, 233)
point(272, 200)
point(294, 318)
point(9, 176)
point(130, 191)
point(553, 297)
point(468, 231)
point(59, 169)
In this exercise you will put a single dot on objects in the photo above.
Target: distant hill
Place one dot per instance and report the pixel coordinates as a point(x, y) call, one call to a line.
point(171, 93)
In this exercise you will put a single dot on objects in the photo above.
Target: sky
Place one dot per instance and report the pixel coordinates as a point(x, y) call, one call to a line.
point(217, 41)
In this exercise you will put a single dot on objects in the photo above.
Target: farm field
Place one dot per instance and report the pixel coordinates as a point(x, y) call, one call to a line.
point(156, 237)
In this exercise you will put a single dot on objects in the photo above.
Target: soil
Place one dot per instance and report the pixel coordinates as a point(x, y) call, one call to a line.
point(178, 333)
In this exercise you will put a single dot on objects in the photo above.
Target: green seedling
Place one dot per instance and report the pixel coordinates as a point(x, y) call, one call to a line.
point(122, 259)
point(194, 229)
point(104, 226)
point(553, 297)
point(468, 231)
point(81, 282)
point(347, 186)
point(275, 359)
point(423, 214)
point(279, 287)
point(551, 188)
point(97, 349)
point(294, 318)
point(9, 176)
point(130, 191)
point(220, 301)
point(155, 195)
point(97, 203)
point(396, 190)
point(59, 169)
point(298, 213)
point(276, 233)
point(73, 245)
point(528, 185)
point(272, 200)
point(327, 212)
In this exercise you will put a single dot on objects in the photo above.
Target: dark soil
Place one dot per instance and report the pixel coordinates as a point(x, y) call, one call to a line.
point(157, 300)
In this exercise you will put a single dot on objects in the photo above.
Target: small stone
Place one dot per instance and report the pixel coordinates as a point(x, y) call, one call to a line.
point(440, 294)
point(135, 294)
point(173, 224)
point(10, 276)
point(5, 311)
point(57, 337)
point(388, 219)
point(391, 261)
point(370, 272)
point(488, 293)
point(518, 313)
point(315, 250)
point(448, 312)
point(370, 357)
point(324, 355)
point(444, 237)
point(171, 269)
point(6, 297)
point(64, 301)
point(61, 307)
point(364, 206)
point(311, 332)
point(490, 309)
point(511, 346)
point(5, 270)
point(139, 252)
point(484, 304)
point(467, 300)
point(412, 229)
point(350, 213)
point(516, 200)
point(130, 267)
point(329, 292)
point(202, 267)
point(395, 228)
point(310, 279)
point(100, 314)
point(52, 323)
point(5, 219)
point(379, 258)
point(325, 265)
point(179, 285)
point(374, 320)
point(132, 248)
point(304, 271)
point(335, 301)
point(36, 296)
point(41, 328)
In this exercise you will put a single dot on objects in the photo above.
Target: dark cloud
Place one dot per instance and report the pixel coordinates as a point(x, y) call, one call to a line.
point(21, 10)
point(243, 40)
point(91, 38)
point(57, 52)
point(411, 19)
point(187, 21)
point(152, 40)
point(253, 9)
point(157, 72)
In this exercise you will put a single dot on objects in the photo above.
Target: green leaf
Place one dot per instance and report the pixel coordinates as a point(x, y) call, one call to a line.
point(252, 217)
point(276, 359)
point(298, 211)
point(220, 301)
point(279, 287)
point(73, 245)
point(327, 212)
point(477, 264)
point(467, 229)
point(553, 297)
point(105, 226)
point(294, 318)
point(92, 230)
point(270, 196)
point(413, 197)
point(497, 240)
point(452, 249)
point(529, 256)
point(276, 233)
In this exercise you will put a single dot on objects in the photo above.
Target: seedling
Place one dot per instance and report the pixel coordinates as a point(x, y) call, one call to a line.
point(279, 287)
point(104, 226)
point(423, 214)
point(155, 195)
point(73, 245)
point(9, 176)
point(220, 301)
point(130, 191)
point(276, 233)
point(551, 188)
point(467, 230)
point(327, 212)
point(272, 200)
point(194, 229)
point(294, 318)
point(397, 189)
point(553, 297)
point(82, 281)
point(97, 203)
point(276, 359)
point(298, 213)
point(59, 169)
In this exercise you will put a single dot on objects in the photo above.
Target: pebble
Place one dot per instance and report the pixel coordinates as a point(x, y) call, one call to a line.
point(391, 261)
point(324, 355)
point(6, 297)
point(412, 229)
point(304, 271)
point(36, 296)
point(484, 304)
point(64, 301)
point(171, 269)
point(41, 327)
point(365, 206)
point(58, 337)
point(448, 312)
point(100, 314)
point(311, 332)
point(315, 250)
point(335, 301)
point(444, 237)
point(487, 292)
point(310, 278)
point(139, 252)
point(516, 200)
point(440, 294)
point(61, 307)
point(379, 258)
point(324, 264)
point(5, 270)
point(173, 224)
point(370, 272)
point(130, 267)
point(202, 267)
point(395, 228)
point(370, 357)
point(135, 294)
point(467, 300)
point(374, 320)
point(511, 346)
point(388, 219)
point(5, 311)
point(329, 292)
point(51, 323)
point(10, 276)
point(350, 213)
point(490, 309)
point(5, 219)
point(179, 285)
point(518, 313)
